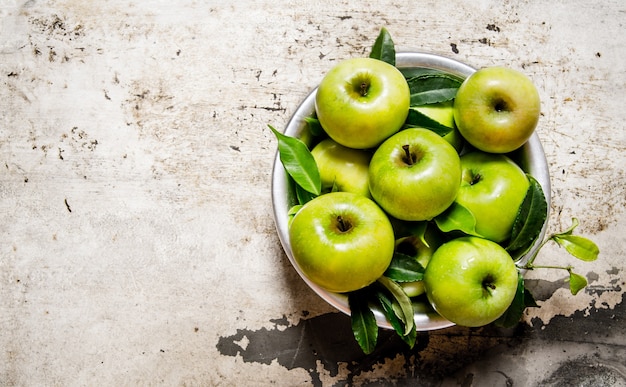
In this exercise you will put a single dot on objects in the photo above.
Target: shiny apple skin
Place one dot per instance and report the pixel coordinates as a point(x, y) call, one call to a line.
point(344, 169)
point(493, 188)
point(420, 190)
point(362, 120)
point(471, 281)
point(497, 109)
point(337, 259)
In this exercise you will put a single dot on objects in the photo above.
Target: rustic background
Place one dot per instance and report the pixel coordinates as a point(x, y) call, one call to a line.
point(137, 242)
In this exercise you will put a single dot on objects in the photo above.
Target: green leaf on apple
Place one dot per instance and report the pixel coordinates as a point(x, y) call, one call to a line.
point(314, 126)
point(417, 119)
point(384, 48)
point(432, 96)
point(303, 195)
point(578, 246)
point(529, 221)
point(457, 218)
point(405, 308)
point(529, 299)
point(416, 72)
point(576, 282)
point(432, 88)
point(404, 268)
point(387, 305)
point(363, 321)
point(292, 212)
point(523, 299)
point(298, 162)
point(294, 209)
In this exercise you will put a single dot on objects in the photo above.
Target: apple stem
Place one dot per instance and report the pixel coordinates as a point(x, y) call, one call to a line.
point(343, 225)
point(500, 106)
point(568, 268)
point(530, 262)
point(408, 157)
point(364, 89)
point(476, 179)
point(488, 285)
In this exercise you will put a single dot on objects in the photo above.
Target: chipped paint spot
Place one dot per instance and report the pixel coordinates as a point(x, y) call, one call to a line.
point(324, 347)
point(602, 292)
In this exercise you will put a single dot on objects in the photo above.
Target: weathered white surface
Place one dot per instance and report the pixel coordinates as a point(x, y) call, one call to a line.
point(135, 168)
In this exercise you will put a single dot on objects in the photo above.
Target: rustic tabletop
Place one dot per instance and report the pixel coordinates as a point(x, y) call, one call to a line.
point(137, 241)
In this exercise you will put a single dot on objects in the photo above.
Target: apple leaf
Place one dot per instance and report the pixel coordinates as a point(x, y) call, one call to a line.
point(417, 119)
point(384, 48)
point(529, 300)
point(570, 230)
point(303, 195)
point(416, 72)
point(428, 79)
point(294, 209)
point(579, 247)
point(396, 323)
point(405, 313)
point(457, 218)
point(529, 220)
point(523, 299)
point(433, 96)
point(314, 126)
point(576, 282)
point(292, 212)
point(432, 88)
point(411, 337)
point(404, 268)
point(298, 162)
point(363, 321)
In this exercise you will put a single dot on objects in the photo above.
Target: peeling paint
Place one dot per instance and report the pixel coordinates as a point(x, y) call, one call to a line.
point(327, 340)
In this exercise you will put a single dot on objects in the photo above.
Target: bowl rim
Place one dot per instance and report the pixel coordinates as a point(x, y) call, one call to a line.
point(530, 156)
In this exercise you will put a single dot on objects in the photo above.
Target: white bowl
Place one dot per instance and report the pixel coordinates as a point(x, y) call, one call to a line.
point(530, 157)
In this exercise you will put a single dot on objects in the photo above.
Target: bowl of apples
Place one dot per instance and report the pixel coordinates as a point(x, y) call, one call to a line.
point(406, 196)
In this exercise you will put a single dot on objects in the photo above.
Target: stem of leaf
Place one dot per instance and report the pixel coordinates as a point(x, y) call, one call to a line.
point(531, 267)
point(529, 264)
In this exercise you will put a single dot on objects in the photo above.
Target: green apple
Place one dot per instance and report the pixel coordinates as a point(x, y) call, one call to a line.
point(497, 109)
point(342, 168)
point(471, 281)
point(493, 188)
point(421, 248)
point(415, 174)
point(443, 113)
point(341, 241)
point(362, 101)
